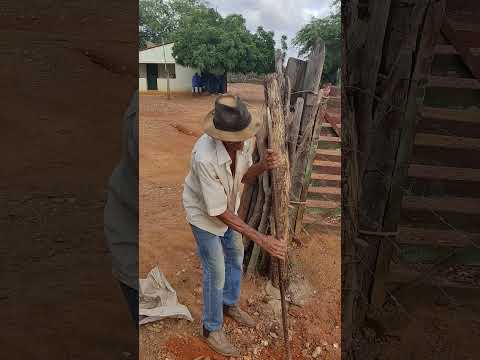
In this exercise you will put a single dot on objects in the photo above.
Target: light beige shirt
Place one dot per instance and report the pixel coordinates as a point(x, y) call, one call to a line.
point(210, 187)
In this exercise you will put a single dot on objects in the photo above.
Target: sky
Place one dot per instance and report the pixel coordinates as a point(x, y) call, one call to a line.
point(281, 16)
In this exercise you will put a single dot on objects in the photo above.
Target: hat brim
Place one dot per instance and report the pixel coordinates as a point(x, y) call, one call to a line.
point(232, 136)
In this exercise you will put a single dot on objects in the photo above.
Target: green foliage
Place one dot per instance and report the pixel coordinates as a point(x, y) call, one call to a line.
point(328, 29)
point(159, 19)
point(206, 41)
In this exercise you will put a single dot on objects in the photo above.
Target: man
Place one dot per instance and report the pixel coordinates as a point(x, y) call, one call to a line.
point(221, 161)
point(121, 212)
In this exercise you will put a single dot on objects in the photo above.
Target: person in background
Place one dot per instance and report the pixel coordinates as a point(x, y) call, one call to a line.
point(196, 84)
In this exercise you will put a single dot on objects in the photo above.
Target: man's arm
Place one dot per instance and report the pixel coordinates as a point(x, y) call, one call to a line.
point(275, 247)
point(270, 161)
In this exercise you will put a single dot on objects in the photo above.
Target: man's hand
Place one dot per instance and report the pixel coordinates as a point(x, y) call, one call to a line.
point(275, 247)
point(271, 160)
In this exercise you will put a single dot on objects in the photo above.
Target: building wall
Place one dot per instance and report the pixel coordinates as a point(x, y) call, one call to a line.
point(156, 56)
point(183, 80)
point(142, 77)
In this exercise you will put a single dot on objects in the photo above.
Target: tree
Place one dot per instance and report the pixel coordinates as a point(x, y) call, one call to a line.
point(211, 43)
point(159, 19)
point(265, 51)
point(329, 30)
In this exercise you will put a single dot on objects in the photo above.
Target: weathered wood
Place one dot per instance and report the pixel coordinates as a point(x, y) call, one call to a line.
point(310, 156)
point(428, 25)
point(280, 182)
point(296, 73)
point(264, 182)
point(463, 50)
point(293, 133)
point(386, 60)
point(310, 87)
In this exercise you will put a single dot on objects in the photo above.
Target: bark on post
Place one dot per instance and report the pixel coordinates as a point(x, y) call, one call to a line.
point(280, 180)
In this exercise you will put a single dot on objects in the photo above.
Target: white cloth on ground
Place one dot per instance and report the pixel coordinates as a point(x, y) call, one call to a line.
point(158, 300)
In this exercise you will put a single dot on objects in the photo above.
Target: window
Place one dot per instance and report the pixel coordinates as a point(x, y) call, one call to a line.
point(162, 74)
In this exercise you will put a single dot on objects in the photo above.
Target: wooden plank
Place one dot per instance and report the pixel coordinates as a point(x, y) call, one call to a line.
point(331, 139)
point(335, 164)
point(453, 82)
point(451, 142)
point(327, 167)
point(441, 156)
point(435, 237)
point(322, 204)
point(328, 156)
point(330, 177)
point(431, 187)
point(451, 32)
point(442, 49)
point(335, 122)
point(309, 131)
point(450, 114)
point(330, 190)
point(443, 172)
point(329, 152)
point(439, 204)
point(405, 274)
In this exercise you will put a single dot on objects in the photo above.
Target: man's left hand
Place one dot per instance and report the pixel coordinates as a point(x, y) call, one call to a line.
point(271, 160)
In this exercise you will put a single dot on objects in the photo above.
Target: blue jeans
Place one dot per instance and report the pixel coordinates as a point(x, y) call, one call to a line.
point(222, 261)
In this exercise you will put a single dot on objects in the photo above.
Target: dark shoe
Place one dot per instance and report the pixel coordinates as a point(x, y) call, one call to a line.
point(219, 343)
point(239, 315)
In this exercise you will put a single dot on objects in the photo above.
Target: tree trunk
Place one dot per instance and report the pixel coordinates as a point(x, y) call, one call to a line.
point(388, 48)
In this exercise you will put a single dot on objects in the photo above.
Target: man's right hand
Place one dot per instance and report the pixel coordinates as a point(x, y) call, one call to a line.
point(275, 247)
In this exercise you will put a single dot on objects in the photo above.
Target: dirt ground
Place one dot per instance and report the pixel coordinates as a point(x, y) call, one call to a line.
point(168, 130)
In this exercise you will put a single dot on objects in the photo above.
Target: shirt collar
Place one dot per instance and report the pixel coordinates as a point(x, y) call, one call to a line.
point(222, 154)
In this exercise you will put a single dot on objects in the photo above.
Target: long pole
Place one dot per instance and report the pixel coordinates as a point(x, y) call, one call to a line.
point(166, 69)
point(280, 185)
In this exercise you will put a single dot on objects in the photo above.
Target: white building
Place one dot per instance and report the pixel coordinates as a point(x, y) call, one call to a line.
point(154, 63)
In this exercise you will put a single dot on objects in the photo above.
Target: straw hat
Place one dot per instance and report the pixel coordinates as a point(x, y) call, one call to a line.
point(231, 120)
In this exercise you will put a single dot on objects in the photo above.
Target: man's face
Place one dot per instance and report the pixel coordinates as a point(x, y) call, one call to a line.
point(233, 146)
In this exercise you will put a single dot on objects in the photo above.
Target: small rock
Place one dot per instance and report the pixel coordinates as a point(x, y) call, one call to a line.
point(335, 346)
point(272, 291)
point(264, 342)
point(255, 351)
point(273, 335)
point(307, 345)
point(238, 330)
point(250, 301)
point(256, 314)
point(324, 344)
point(316, 353)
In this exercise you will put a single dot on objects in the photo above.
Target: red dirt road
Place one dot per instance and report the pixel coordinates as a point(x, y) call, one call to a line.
point(168, 130)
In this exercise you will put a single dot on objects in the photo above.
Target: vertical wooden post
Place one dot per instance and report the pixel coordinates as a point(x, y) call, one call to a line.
point(280, 183)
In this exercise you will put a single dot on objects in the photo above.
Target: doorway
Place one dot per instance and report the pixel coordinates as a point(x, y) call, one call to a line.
point(152, 76)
